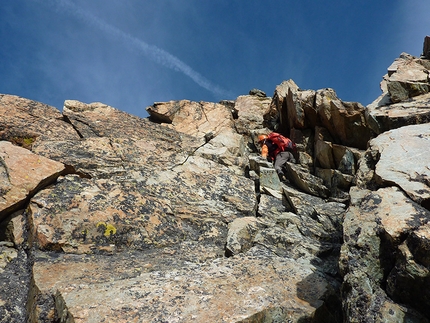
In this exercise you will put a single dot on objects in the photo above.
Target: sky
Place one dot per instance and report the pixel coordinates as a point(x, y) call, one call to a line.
point(130, 54)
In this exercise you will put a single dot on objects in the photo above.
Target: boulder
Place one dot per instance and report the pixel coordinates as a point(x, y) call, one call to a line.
point(301, 178)
point(338, 166)
point(22, 174)
point(294, 106)
point(345, 121)
point(326, 217)
point(324, 154)
point(272, 208)
point(95, 120)
point(256, 162)
point(401, 90)
point(404, 155)
point(335, 180)
point(114, 142)
point(298, 175)
point(300, 109)
point(309, 231)
point(257, 92)
point(302, 112)
point(250, 114)
point(345, 159)
point(193, 118)
point(241, 233)
point(227, 148)
point(407, 78)
point(269, 178)
point(211, 123)
point(12, 229)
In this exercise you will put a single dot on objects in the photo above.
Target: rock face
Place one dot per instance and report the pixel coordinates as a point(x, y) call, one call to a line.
point(22, 174)
point(377, 231)
point(344, 121)
point(404, 160)
point(405, 97)
point(109, 217)
point(23, 122)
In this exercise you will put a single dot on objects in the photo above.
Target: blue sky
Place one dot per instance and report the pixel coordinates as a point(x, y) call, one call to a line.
point(132, 53)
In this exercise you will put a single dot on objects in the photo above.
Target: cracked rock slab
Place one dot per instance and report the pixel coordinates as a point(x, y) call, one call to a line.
point(155, 208)
point(23, 173)
point(404, 160)
point(133, 288)
point(387, 116)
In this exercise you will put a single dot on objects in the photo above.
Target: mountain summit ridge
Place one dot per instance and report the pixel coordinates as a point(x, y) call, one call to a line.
point(106, 216)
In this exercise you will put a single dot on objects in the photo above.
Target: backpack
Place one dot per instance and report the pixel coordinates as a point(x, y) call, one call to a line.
point(283, 143)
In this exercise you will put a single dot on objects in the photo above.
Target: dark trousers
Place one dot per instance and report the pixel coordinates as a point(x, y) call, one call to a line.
point(281, 159)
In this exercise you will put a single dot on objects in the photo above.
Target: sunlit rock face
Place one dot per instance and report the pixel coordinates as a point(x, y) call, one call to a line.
point(175, 218)
point(405, 95)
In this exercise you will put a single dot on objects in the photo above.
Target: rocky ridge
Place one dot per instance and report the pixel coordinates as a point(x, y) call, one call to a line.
point(109, 217)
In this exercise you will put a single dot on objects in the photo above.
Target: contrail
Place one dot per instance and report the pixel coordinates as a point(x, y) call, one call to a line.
point(158, 55)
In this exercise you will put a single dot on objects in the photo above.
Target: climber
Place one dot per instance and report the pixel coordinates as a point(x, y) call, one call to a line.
point(278, 149)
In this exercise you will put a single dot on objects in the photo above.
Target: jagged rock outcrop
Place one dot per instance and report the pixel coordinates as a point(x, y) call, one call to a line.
point(250, 111)
point(405, 97)
point(407, 77)
point(299, 109)
point(175, 218)
point(426, 48)
point(258, 92)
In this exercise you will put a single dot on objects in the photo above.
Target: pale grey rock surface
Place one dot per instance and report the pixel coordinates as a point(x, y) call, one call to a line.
point(405, 160)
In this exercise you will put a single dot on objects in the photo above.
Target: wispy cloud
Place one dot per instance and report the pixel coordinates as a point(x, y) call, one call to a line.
point(155, 53)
